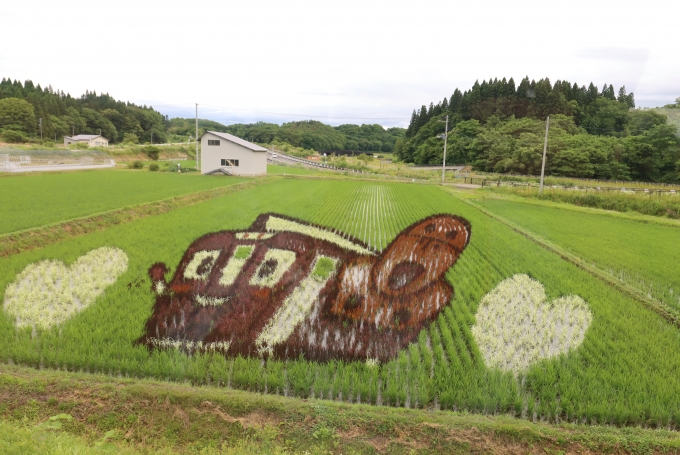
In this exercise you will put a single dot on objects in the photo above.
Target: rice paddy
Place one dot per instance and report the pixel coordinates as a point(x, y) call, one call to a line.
point(607, 359)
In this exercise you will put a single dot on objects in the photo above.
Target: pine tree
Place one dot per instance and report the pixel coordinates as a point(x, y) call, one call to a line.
point(412, 124)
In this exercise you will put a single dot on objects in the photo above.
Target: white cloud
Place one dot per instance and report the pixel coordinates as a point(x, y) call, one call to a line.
point(341, 59)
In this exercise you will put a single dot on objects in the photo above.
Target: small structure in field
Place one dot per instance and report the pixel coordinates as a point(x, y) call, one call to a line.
point(53, 160)
point(91, 140)
point(223, 153)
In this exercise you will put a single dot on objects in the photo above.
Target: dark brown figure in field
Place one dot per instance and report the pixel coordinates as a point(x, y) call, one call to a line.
point(284, 288)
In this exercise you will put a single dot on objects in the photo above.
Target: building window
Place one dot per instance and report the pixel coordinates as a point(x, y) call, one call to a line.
point(229, 162)
point(213, 142)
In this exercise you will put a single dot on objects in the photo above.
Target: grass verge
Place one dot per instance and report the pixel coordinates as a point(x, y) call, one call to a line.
point(144, 416)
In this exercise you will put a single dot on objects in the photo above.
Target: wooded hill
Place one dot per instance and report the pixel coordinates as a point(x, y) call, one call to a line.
point(21, 105)
point(499, 127)
point(308, 134)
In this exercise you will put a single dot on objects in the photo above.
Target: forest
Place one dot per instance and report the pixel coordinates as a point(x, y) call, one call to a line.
point(308, 134)
point(22, 105)
point(594, 133)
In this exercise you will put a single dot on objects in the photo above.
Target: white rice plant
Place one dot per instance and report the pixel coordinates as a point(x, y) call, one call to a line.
point(191, 270)
point(516, 327)
point(47, 293)
point(280, 224)
point(235, 264)
point(295, 308)
point(283, 260)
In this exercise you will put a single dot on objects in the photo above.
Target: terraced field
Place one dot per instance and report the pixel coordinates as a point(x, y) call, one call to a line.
point(522, 331)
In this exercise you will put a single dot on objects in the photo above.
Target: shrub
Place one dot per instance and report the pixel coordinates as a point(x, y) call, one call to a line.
point(130, 138)
point(152, 152)
point(14, 136)
point(136, 165)
point(153, 167)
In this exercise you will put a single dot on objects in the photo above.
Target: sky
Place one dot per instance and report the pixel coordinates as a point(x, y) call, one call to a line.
point(338, 62)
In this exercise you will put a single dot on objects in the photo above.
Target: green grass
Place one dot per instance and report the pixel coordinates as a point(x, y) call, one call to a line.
point(665, 205)
point(641, 253)
point(277, 169)
point(625, 373)
point(32, 200)
point(154, 417)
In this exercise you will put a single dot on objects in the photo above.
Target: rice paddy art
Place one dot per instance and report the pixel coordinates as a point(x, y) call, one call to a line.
point(285, 288)
point(516, 325)
point(47, 293)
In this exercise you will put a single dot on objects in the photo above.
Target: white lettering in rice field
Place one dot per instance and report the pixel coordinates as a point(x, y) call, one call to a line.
point(516, 327)
point(47, 293)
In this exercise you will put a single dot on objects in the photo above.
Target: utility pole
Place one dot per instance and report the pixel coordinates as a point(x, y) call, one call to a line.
point(545, 149)
point(446, 133)
point(40, 121)
point(198, 166)
point(152, 137)
point(73, 130)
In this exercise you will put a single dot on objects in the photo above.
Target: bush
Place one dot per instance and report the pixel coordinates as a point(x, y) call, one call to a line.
point(14, 136)
point(153, 167)
point(130, 138)
point(136, 165)
point(152, 152)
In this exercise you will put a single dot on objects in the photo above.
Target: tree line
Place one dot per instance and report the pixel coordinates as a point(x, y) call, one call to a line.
point(499, 127)
point(307, 134)
point(22, 105)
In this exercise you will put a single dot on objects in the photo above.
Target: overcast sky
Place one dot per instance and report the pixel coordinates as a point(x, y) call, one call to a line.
point(368, 61)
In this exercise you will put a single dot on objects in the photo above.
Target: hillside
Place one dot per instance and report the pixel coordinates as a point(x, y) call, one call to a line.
point(22, 105)
point(497, 127)
point(673, 116)
point(307, 134)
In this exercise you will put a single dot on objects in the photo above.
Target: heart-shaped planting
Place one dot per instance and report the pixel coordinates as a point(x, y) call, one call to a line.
point(516, 327)
point(47, 293)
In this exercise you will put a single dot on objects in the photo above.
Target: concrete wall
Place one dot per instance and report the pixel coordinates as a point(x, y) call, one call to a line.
point(250, 162)
point(99, 142)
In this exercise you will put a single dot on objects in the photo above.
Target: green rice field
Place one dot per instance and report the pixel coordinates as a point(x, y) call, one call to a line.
point(642, 253)
point(623, 371)
point(278, 169)
point(28, 201)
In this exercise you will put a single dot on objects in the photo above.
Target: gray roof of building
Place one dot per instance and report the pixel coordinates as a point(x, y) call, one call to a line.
point(239, 141)
point(86, 136)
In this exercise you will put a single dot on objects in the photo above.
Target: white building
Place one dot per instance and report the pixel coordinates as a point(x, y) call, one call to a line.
point(222, 152)
point(92, 140)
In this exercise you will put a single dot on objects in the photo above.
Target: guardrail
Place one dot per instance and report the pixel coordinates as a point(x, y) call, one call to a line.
point(329, 167)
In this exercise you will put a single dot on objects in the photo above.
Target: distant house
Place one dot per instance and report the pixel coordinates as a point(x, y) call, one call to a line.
point(224, 153)
point(92, 140)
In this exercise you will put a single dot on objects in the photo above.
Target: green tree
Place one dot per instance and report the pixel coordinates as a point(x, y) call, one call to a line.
point(17, 114)
point(606, 117)
point(653, 154)
point(130, 138)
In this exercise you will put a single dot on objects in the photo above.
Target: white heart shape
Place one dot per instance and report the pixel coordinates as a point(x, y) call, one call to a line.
point(515, 326)
point(47, 293)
